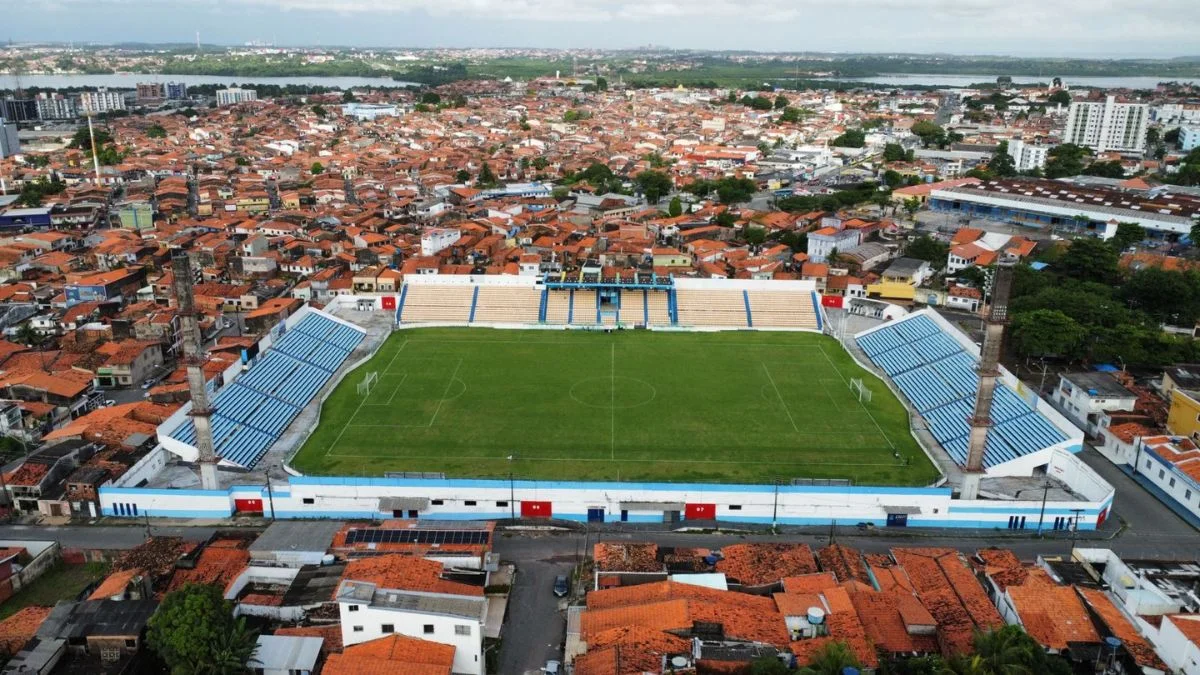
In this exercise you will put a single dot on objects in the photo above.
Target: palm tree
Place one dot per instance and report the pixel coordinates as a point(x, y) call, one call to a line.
point(231, 653)
point(1008, 651)
point(28, 335)
point(968, 665)
point(832, 659)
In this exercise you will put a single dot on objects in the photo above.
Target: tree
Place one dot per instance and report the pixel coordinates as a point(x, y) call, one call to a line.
point(725, 219)
point(851, 138)
point(348, 97)
point(572, 115)
point(1110, 169)
point(928, 249)
point(28, 335)
point(833, 659)
point(1011, 650)
point(676, 208)
point(911, 206)
point(1060, 97)
point(231, 652)
point(1089, 259)
point(1171, 137)
point(1194, 234)
point(320, 111)
point(754, 235)
point(972, 275)
point(1127, 235)
point(781, 102)
point(892, 179)
point(894, 152)
point(654, 185)
point(462, 176)
point(317, 168)
point(602, 83)
point(1167, 296)
point(194, 631)
point(1001, 164)
point(431, 98)
point(1047, 332)
point(930, 133)
point(486, 179)
point(1065, 160)
point(156, 131)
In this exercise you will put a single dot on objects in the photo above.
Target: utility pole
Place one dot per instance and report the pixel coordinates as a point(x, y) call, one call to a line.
point(512, 491)
point(1042, 515)
point(1074, 529)
point(270, 494)
point(775, 507)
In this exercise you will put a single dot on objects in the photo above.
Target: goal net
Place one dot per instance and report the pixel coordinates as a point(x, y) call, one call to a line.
point(860, 390)
point(364, 387)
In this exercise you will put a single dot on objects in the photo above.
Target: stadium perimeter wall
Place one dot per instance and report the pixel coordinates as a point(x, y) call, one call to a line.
point(320, 497)
point(314, 497)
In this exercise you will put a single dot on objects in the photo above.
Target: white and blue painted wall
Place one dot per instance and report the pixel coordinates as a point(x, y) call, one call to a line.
point(474, 499)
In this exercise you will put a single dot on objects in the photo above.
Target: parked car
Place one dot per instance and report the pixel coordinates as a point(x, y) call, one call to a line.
point(552, 668)
point(561, 587)
point(109, 402)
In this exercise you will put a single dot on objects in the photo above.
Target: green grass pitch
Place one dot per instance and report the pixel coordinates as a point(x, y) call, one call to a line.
point(735, 407)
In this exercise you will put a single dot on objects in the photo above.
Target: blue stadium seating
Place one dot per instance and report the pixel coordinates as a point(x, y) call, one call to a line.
point(252, 412)
point(938, 378)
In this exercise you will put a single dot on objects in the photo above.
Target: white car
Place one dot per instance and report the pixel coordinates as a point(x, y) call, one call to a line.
point(552, 668)
point(108, 402)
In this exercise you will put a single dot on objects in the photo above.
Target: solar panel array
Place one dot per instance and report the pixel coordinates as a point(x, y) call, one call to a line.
point(938, 378)
point(415, 536)
point(254, 410)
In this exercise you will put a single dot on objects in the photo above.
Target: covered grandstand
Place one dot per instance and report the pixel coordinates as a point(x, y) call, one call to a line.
point(262, 397)
point(933, 365)
point(644, 301)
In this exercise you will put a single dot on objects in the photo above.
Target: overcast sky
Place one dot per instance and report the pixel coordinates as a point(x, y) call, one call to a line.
point(1093, 28)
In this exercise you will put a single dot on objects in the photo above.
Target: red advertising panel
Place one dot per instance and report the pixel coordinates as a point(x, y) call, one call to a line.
point(248, 505)
point(389, 302)
point(700, 512)
point(535, 509)
point(834, 301)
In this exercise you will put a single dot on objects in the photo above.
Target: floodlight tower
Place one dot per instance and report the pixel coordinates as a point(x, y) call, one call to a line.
point(989, 370)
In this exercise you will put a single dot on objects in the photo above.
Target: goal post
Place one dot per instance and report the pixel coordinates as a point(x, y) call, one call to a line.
point(368, 381)
point(860, 391)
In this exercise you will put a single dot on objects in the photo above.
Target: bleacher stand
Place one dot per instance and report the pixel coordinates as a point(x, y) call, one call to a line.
point(437, 304)
point(938, 378)
point(770, 309)
point(253, 410)
point(721, 309)
point(507, 304)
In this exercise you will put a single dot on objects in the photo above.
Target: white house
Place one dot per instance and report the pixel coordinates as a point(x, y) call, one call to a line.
point(1084, 397)
point(822, 242)
point(1171, 463)
point(1179, 643)
point(426, 606)
point(437, 239)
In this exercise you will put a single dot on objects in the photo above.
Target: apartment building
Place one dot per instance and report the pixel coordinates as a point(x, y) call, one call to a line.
point(1107, 125)
point(101, 101)
point(235, 95)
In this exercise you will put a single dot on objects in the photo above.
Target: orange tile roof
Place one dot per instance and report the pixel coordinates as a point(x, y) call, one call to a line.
point(755, 564)
point(639, 648)
point(16, 630)
point(809, 583)
point(332, 634)
point(114, 584)
point(1122, 628)
point(405, 573)
point(660, 616)
point(1053, 615)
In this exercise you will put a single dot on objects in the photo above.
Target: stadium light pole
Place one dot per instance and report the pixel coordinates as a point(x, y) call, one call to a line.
point(512, 491)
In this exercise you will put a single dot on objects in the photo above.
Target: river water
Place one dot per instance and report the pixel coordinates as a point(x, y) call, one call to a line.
point(904, 79)
point(129, 81)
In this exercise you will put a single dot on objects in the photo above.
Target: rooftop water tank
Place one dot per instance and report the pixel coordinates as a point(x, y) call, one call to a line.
point(816, 616)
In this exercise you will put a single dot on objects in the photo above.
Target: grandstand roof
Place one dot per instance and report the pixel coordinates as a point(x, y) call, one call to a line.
point(253, 410)
point(938, 376)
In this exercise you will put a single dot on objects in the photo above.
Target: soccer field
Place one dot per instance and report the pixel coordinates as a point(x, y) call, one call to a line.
point(627, 405)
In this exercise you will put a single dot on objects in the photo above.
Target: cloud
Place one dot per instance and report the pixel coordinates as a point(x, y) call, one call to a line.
point(1095, 27)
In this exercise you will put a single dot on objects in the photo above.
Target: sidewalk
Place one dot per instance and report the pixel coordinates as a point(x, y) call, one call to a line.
point(1163, 497)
